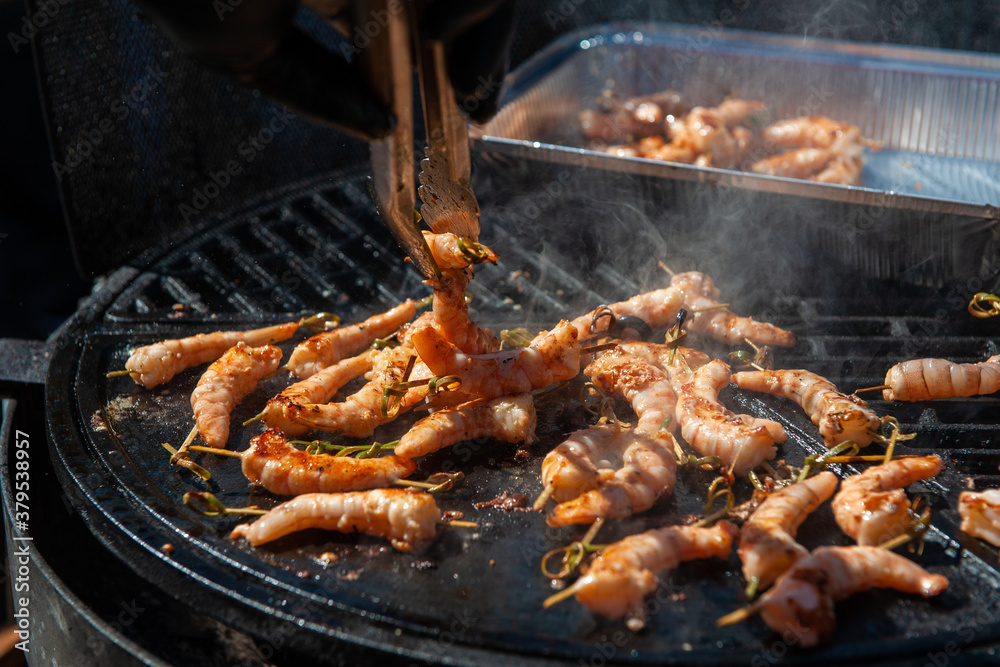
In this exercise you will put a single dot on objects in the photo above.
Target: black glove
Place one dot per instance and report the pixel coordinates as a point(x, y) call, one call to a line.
point(255, 42)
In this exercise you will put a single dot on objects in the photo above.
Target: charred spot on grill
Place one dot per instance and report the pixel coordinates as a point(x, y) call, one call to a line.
point(505, 501)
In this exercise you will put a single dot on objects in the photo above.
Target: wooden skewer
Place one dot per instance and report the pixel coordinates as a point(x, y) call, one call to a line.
point(877, 387)
point(543, 498)
point(565, 593)
point(591, 349)
point(738, 616)
point(215, 450)
point(186, 462)
point(256, 418)
point(867, 457)
point(707, 309)
point(185, 445)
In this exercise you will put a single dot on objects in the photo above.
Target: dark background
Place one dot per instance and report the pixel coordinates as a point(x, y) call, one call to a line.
point(39, 282)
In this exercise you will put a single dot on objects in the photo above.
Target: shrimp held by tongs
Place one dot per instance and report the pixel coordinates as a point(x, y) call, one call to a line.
point(449, 312)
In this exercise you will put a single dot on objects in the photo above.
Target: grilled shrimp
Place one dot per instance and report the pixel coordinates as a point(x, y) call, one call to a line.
point(798, 163)
point(741, 441)
point(508, 418)
point(700, 294)
point(553, 358)
point(824, 165)
point(157, 363)
point(616, 120)
point(361, 413)
point(767, 539)
point(450, 316)
point(844, 169)
point(872, 507)
point(448, 253)
point(643, 385)
point(803, 596)
point(709, 133)
point(619, 472)
point(622, 574)
point(809, 132)
point(666, 357)
point(329, 347)
point(928, 379)
point(980, 514)
point(449, 312)
point(407, 518)
point(823, 150)
point(658, 309)
point(317, 388)
point(225, 383)
point(585, 460)
point(282, 468)
point(838, 416)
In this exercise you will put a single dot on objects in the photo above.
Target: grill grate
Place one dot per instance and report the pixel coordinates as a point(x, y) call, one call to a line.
point(321, 248)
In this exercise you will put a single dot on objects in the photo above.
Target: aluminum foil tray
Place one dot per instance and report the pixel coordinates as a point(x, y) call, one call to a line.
point(934, 111)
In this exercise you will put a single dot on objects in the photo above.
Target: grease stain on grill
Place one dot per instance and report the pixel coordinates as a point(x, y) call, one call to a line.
point(505, 501)
point(97, 422)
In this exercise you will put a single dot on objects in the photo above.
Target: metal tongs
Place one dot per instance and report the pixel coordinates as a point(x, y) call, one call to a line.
point(448, 202)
